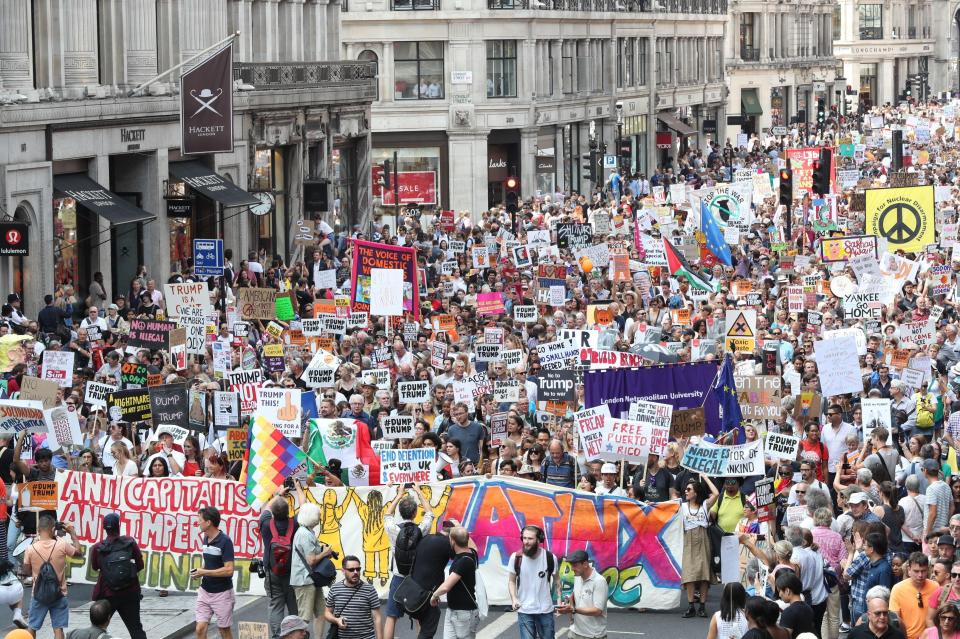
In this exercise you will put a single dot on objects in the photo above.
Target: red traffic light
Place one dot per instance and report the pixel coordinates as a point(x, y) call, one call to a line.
point(511, 183)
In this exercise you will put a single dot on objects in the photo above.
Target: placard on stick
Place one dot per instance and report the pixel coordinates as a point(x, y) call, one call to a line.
point(687, 423)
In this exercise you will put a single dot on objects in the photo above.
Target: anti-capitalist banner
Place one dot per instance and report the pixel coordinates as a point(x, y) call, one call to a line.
point(370, 255)
point(682, 386)
point(636, 546)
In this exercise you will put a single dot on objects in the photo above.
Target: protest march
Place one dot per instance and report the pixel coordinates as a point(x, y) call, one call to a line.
point(736, 372)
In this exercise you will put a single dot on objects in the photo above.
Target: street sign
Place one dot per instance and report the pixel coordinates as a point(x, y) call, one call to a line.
point(208, 258)
point(779, 130)
point(609, 161)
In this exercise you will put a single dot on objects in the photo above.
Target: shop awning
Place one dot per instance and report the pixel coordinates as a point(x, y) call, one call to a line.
point(676, 124)
point(750, 103)
point(211, 184)
point(104, 203)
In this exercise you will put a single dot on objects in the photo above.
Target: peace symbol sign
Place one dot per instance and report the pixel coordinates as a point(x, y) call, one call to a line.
point(900, 223)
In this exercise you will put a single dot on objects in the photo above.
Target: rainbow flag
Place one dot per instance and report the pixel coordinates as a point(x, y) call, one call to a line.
point(271, 458)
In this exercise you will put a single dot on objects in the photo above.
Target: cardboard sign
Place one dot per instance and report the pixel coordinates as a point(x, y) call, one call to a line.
point(96, 393)
point(19, 415)
point(150, 334)
point(281, 407)
point(236, 444)
point(192, 294)
point(634, 440)
point(525, 313)
point(40, 390)
point(226, 409)
point(759, 396)
point(63, 423)
point(41, 495)
point(256, 303)
point(398, 427)
point(133, 373)
point(506, 391)
point(687, 423)
point(779, 446)
point(591, 429)
point(414, 392)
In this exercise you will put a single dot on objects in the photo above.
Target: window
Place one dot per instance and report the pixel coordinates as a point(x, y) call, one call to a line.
point(871, 21)
point(566, 61)
point(369, 56)
point(748, 51)
point(836, 22)
point(415, 5)
point(418, 70)
point(583, 57)
point(501, 68)
point(642, 62)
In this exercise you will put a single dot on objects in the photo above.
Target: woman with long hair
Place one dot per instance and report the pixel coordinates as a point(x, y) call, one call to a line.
point(730, 622)
point(762, 615)
point(697, 500)
point(122, 464)
point(946, 623)
point(216, 467)
point(193, 464)
point(89, 462)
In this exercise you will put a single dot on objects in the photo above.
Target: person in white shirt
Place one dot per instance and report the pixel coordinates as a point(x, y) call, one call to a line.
point(534, 581)
point(609, 486)
point(588, 605)
point(833, 435)
point(106, 441)
point(93, 319)
point(808, 477)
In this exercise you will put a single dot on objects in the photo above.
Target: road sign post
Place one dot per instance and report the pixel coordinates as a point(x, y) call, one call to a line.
point(208, 258)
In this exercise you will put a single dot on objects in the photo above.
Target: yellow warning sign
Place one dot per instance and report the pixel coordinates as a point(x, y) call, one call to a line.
point(741, 332)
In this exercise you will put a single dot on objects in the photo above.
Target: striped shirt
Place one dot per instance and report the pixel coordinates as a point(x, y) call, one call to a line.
point(356, 606)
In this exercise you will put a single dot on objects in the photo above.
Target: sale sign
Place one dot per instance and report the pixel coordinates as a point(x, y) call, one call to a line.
point(413, 187)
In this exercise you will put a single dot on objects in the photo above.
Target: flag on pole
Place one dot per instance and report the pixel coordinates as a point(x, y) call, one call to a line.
point(730, 413)
point(716, 244)
point(347, 440)
point(271, 458)
point(678, 266)
point(206, 105)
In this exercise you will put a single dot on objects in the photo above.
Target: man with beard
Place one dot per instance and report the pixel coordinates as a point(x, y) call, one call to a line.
point(534, 579)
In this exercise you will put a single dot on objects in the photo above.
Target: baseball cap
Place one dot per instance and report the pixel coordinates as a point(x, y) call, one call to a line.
point(859, 498)
point(946, 540)
point(608, 468)
point(578, 556)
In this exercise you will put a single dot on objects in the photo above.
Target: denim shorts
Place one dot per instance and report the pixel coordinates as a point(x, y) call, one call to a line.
point(393, 608)
point(59, 613)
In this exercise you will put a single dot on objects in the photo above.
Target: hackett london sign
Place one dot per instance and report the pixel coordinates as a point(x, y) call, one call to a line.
point(206, 105)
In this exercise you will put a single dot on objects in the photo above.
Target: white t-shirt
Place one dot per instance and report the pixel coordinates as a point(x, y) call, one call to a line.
point(106, 456)
point(533, 587)
point(129, 471)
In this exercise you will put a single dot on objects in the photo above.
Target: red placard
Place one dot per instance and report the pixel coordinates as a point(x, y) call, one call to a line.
point(801, 163)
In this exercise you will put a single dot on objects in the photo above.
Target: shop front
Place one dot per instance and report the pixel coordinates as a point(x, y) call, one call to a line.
point(635, 134)
point(421, 171)
point(779, 99)
point(503, 161)
point(672, 122)
point(545, 161)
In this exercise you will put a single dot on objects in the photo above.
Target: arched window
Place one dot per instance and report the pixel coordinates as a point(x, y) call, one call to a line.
point(369, 56)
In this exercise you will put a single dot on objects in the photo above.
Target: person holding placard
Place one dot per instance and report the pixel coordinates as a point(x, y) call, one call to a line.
point(699, 497)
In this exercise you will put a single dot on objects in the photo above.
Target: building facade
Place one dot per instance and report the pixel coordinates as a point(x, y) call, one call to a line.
point(779, 64)
point(473, 92)
point(98, 176)
point(883, 45)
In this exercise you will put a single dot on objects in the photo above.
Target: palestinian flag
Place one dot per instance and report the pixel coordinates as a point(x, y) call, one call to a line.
point(347, 440)
point(678, 266)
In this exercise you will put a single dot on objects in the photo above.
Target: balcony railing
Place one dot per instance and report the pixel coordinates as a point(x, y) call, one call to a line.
point(415, 5)
point(750, 54)
point(298, 75)
point(621, 6)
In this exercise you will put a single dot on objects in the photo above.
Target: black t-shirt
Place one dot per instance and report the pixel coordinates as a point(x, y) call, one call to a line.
point(798, 617)
point(433, 553)
point(267, 536)
point(463, 595)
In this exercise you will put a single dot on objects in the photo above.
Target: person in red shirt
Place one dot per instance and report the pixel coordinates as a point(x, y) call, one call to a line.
point(813, 449)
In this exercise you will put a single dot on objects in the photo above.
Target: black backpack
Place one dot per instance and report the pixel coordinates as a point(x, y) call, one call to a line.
point(117, 565)
point(518, 560)
point(46, 587)
point(405, 549)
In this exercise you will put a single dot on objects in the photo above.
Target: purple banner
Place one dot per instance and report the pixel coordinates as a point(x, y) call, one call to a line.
point(680, 385)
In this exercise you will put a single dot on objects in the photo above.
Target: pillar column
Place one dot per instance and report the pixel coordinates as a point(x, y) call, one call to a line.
point(468, 171)
point(556, 47)
point(156, 244)
point(241, 19)
point(332, 38)
point(315, 33)
point(559, 158)
point(99, 171)
point(265, 30)
point(168, 34)
point(291, 19)
point(202, 23)
point(527, 60)
point(652, 106)
point(16, 45)
point(528, 162)
point(78, 31)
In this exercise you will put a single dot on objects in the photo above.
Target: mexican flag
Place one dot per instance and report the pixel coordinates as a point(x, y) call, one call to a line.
point(678, 266)
point(347, 440)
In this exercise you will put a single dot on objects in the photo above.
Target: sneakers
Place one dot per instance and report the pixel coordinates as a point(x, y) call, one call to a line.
point(844, 627)
point(18, 619)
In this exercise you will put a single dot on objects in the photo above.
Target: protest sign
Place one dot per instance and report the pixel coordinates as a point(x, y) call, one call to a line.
point(58, 367)
point(876, 413)
point(591, 427)
point(368, 256)
point(920, 333)
point(487, 352)
point(193, 319)
point(763, 489)
point(245, 383)
point(744, 460)
point(687, 423)
point(912, 378)
point(236, 444)
point(490, 304)
point(357, 320)
point(779, 446)
point(506, 391)
point(96, 394)
point(131, 405)
point(574, 236)
point(741, 335)
point(150, 334)
point(379, 377)
point(555, 354)
point(842, 249)
point(41, 390)
point(556, 386)
point(498, 428)
point(320, 372)
point(386, 292)
point(909, 207)
point(281, 407)
point(414, 392)
point(608, 359)
point(256, 303)
point(513, 358)
point(192, 294)
point(226, 409)
point(133, 374)
point(398, 427)
point(169, 405)
point(403, 466)
point(759, 396)
point(634, 440)
point(273, 358)
point(63, 424)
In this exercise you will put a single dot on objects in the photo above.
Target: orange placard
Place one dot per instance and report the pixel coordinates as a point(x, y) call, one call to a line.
point(557, 408)
point(742, 287)
point(680, 316)
point(448, 325)
point(39, 495)
point(324, 307)
point(326, 343)
point(154, 379)
point(900, 358)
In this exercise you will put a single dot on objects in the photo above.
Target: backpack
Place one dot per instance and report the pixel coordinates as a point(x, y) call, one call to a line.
point(280, 549)
point(518, 560)
point(117, 565)
point(46, 587)
point(924, 411)
point(405, 548)
point(883, 473)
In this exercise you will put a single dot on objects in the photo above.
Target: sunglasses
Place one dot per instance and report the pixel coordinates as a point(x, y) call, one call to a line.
point(955, 575)
point(352, 569)
point(919, 600)
point(801, 492)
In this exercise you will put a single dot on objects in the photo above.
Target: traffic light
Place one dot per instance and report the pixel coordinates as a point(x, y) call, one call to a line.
point(821, 111)
point(786, 188)
point(385, 175)
point(821, 172)
point(589, 165)
point(511, 189)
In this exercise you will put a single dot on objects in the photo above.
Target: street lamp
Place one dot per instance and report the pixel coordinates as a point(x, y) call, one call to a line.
point(619, 106)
